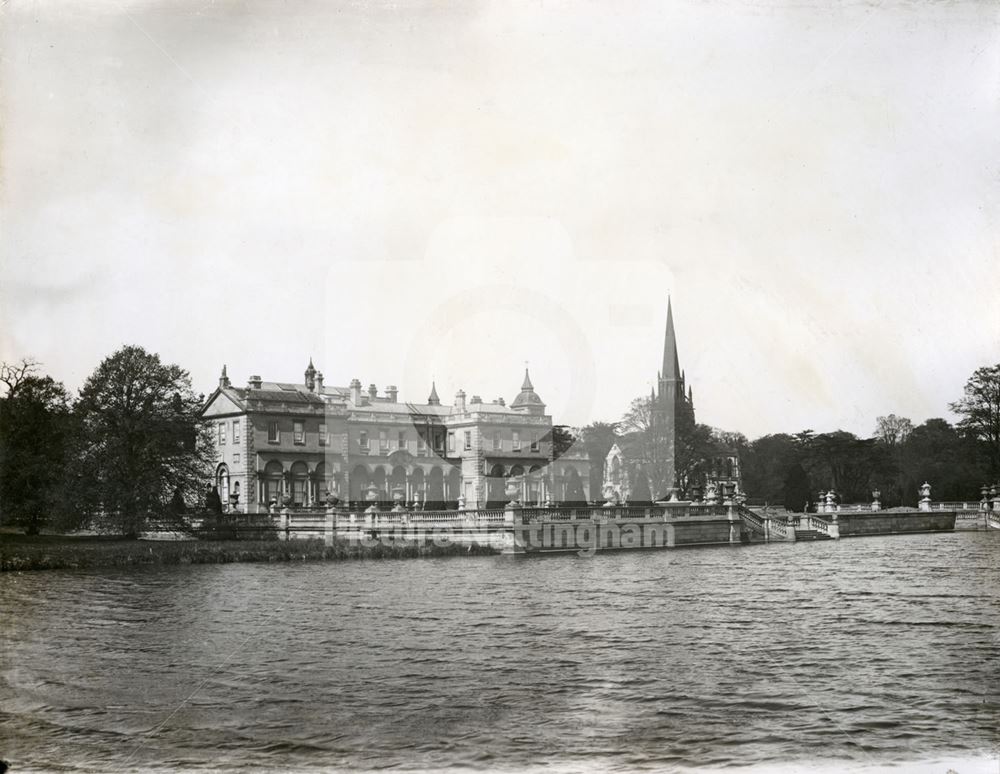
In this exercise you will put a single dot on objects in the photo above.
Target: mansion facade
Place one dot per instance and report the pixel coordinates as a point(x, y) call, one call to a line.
point(298, 444)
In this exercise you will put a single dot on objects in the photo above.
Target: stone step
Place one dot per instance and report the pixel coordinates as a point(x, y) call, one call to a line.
point(811, 534)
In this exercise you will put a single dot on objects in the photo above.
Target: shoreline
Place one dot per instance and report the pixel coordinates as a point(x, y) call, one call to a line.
point(30, 553)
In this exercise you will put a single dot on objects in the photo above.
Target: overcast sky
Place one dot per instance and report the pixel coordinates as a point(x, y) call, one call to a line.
point(408, 192)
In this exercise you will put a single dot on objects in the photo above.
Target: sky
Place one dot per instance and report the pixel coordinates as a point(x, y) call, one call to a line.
point(448, 191)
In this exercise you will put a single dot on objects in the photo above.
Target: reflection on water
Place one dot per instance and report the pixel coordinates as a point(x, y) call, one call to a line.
point(867, 651)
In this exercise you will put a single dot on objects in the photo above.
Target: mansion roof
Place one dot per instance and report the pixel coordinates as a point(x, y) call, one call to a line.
point(315, 397)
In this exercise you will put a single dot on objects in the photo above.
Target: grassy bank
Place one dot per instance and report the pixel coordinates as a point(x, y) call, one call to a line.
point(52, 552)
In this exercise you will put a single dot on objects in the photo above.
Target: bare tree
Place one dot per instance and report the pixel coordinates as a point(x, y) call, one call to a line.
point(14, 375)
point(892, 430)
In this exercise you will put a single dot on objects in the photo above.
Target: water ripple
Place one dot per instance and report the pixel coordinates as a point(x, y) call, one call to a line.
point(861, 653)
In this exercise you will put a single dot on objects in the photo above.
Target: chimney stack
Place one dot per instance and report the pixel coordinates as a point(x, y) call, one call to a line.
point(356, 392)
point(254, 382)
point(460, 401)
point(391, 392)
point(319, 382)
point(372, 392)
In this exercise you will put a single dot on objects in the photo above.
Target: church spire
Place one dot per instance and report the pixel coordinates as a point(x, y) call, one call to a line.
point(671, 365)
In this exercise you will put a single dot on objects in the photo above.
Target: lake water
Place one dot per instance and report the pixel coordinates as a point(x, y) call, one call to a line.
point(860, 653)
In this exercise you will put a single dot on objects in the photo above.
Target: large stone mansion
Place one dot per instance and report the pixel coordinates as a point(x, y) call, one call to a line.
point(285, 443)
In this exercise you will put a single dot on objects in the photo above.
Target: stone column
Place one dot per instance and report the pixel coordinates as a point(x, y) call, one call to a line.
point(330, 524)
point(513, 523)
point(285, 524)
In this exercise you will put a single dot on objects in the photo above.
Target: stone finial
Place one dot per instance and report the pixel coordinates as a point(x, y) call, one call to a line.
point(224, 378)
point(310, 376)
point(433, 399)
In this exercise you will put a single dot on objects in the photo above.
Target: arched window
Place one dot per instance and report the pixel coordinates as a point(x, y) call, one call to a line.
point(273, 482)
point(222, 484)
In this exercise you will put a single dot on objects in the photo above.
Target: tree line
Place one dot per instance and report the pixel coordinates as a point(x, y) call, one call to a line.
point(129, 448)
point(791, 469)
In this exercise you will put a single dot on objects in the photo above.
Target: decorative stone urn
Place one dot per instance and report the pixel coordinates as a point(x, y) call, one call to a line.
point(512, 492)
point(696, 493)
point(609, 496)
point(711, 494)
point(397, 499)
point(831, 502)
point(461, 502)
point(925, 497)
point(876, 502)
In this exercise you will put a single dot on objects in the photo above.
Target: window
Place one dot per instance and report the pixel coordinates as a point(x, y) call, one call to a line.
point(451, 442)
point(298, 433)
point(236, 431)
point(496, 441)
point(401, 443)
point(383, 440)
point(517, 441)
point(421, 444)
point(439, 442)
point(222, 432)
point(534, 442)
point(363, 440)
point(323, 437)
point(236, 458)
point(468, 440)
point(273, 435)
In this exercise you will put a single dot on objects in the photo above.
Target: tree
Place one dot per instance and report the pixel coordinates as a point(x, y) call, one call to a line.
point(797, 492)
point(563, 439)
point(597, 439)
point(141, 439)
point(767, 462)
point(936, 452)
point(980, 413)
point(35, 424)
point(696, 444)
point(892, 430)
point(848, 464)
point(639, 486)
